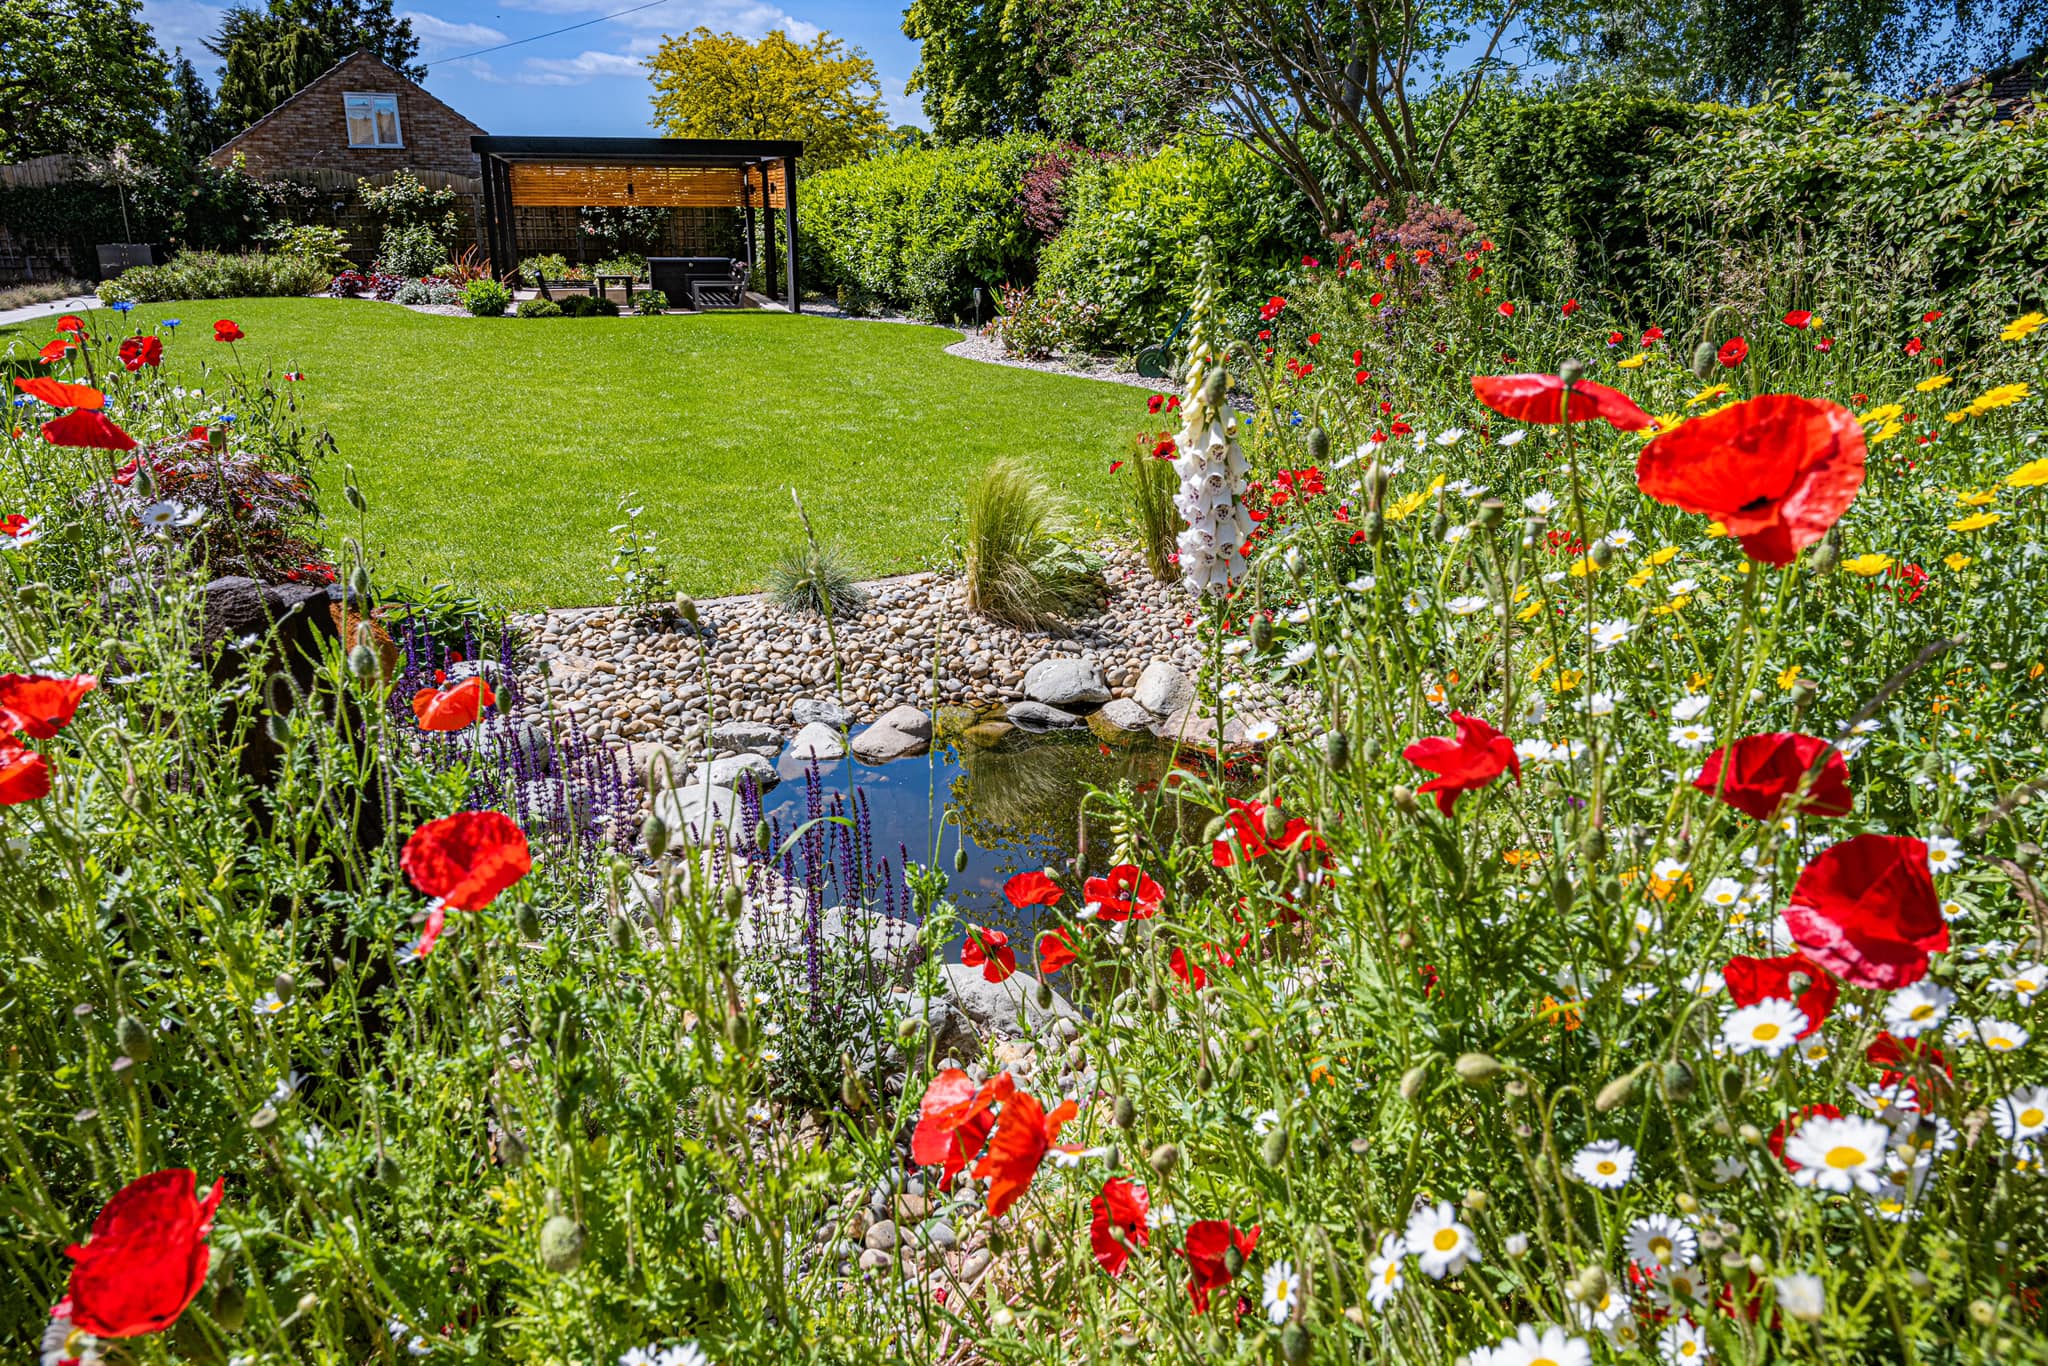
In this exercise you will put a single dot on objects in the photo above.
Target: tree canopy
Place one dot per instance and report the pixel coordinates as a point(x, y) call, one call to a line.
point(983, 67)
point(76, 76)
point(721, 85)
point(269, 54)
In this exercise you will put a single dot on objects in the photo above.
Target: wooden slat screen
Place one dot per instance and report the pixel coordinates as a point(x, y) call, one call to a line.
point(539, 184)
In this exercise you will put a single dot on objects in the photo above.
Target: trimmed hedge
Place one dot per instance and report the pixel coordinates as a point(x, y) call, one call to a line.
point(213, 275)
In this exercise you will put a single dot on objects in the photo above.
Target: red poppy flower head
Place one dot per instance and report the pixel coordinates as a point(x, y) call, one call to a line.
point(1789, 1126)
point(56, 349)
point(1119, 1223)
point(1124, 893)
point(40, 705)
point(1568, 307)
point(58, 394)
point(1777, 470)
point(1032, 889)
point(1652, 335)
point(1023, 1135)
point(451, 709)
point(1209, 1245)
point(226, 331)
point(1507, 309)
point(1185, 968)
point(990, 951)
point(137, 352)
point(1799, 318)
point(87, 428)
point(1468, 763)
point(146, 1257)
point(1865, 910)
point(1542, 398)
point(71, 322)
point(1733, 352)
point(1759, 773)
point(24, 774)
point(467, 859)
point(1751, 980)
point(953, 1121)
point(1055, 950)
point(1932, 315)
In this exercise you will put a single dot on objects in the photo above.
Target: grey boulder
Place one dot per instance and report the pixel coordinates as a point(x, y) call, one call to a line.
point(1038, 716)
point(1066, 682)
point(1007, 1007)
point(734, 737)
point(907, 719)
point(880, 744)
point(824, 710)
point(1163, 689)
point(817, 741)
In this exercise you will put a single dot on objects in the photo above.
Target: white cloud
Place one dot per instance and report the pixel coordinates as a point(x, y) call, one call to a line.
point(441, 38)
point(584, 66)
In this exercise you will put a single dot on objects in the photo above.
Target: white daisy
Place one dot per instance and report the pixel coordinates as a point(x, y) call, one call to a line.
point(1456, 532)
point(1261, 732)
point(1621, 538)
point(2022, 983)
point(1814, 1051)
point(1838, 1154)
point(1299, 655)
point(1679, 588)
point(1415, 602)
point(2000, 1036)
point(1608, 634)
point(636, 1356)
point(1944, 855)
point(1542, 503)
point(689, 1354)
point(1723, 892)
point(1682, 1344)
point(1238, 646)
point(1385, 1272)
point(1637, 993)
point(2021, 1115)
point(1659, 1240)
point(1442, 1246)
point(1465, 605)
point(1280, 1293)
point(1801, 1296)
point(1692, 737)
point(1364, 583)
point(1912, 1011)
point(1550, 1347)
point(1690, 706)
point(1606, 1164)
point(1264, 1122)
point(1674, 1285)
point(1513, 438)
point(1604, 1316)
point(1769, 1027)
point(1297, 616)
point(1450, 436)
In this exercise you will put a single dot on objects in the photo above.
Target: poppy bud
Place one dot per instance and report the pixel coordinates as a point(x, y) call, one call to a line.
point(761, 835)
point(1044, 996)
point(1476, 1069)
point(1318, 445)
point(654, 835)
point(284, 984)
point(738, 1033)
point(1155, 998)
point(135, 1038)
point(731, 900)
point(1752, 1135)
point(1337, 751)
point(1164, 1159)
point(29, 594)
point(385, 1171)
point(1375, 527)
point(1413, 1080)
point(1273, 1151)
point(1615, 1093)
point(1679, 1081)
point(566, 1111)
point(278, 729)
point(568, 1035)
point(1476, 1201)
point(1294, 1343)
point(1376, 479)
point(362, 662)
point(1041, 1244)
point(1804, 692)
point(527, 922)
point(2026, 856)
point(1602, 554)
point(1703, 357)
point(1404, 799)
point(1572, 371)
point(1204, 1078)
point(1276, 822)
point(1825, 557)
point(1595, 843)
point(230, 1308)
point(1233, 1260)
point(1591, 1284)
point(960, 857)
point(1561, 891)
point(355, 498)
point(623, 937)
point(1260, 633)
point(561, 1244)
point(1216, 387)
point(1491, 513)
point(852, 1094)
point(686, 608)
point(1439, 525)
point(359, 582)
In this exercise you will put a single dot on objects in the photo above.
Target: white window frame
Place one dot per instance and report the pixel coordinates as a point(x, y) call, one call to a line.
point(374, 99)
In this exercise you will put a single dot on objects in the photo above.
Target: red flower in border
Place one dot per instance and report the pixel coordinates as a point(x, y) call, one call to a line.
point(1248, 822)
point(1507, 309)
point(226, 331)
point(1865, 910)
point(1755, 979)
point(467, 859)
point(71, 322)
point(1032, 889)
point(1799, 318)
point(455, 708)
point(954, 1119)
point(137, 352)
point(1208, 1248)
point(990, 951)
point(1569, 307)
point(24, 774)
point(1652, 335)
point(1764, 771)
point(1121, 1208)
point(56, 349)
point(1789, 1126)
point(40, 705)
point(1541, 398)
point(1055, 951)
point(1125, 894)
point(1777, 470)
point(1186, 969)
point(1479, 755)
point(145, 1258)
point(1733, 352)
point(89, 429)
point(60, 394)
point(1024, 1134)
point(1912, 1061)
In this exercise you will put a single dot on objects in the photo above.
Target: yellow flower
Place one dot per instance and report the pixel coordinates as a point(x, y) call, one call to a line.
point(2004, 396)
point(1717, 529)
point(1528, 612)
point(1977, 521)
point(1977, 500)
point(1931, 383)
point(1566, 680)
point(1542, 667)
point(1868, 565)
point(1957, 416)
point(1635, 362)
point(1788, 676)
point(1698, 681)
point(1662, 422)
point(1677, 604)
point(1640, 577)
point(1402, 507)
point(1583, 566)
point(1956, 561)
point(1885, 433)
point(1521, 592)
point(1665, 555)
point(1703, 395)
point(2032, 475)
point(1883, 412)
point(2022, 327)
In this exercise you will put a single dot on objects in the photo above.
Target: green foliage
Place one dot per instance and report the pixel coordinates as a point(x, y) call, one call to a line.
point(814, 574)
point(210, 207)
point(326, 247)
point(216, 275)
point(722, 85)
point(623, 229)
point(639, 571)
point(982, 66)
point(588, 306)
point(627, 264)
point(269, 54)
point(650, 301)
point(406, 199)
point(413, 249)
point(1149, 485)
point(539, 308)
point(1015, 569)
point(486, 298)
point(192, 121)
point(919, 230)
point(1036, 323)
point(547, 266)
point(40, 292)
point(77, 76)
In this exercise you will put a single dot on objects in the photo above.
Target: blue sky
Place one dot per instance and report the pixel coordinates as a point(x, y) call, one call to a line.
point(589, 81)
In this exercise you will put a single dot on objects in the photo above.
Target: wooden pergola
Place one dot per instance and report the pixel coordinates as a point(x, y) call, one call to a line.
point(657, 173)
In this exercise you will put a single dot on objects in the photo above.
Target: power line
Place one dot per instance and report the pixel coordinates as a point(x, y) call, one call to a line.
point(516, 42)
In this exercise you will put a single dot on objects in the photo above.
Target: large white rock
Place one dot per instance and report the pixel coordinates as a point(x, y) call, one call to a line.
point(1163, 689)
point(817, 741)
point(805, 710)
point(907, 719)
point(726, 771)
point(734, 737)
point(1068, 682)
point(1007, 1007)
point(696, 814)
point(880, 744)
point(1039, 716)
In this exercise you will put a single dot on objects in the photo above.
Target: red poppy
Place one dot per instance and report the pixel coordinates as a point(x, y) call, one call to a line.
point(1789, 1126)
point(137, 352)
point(1755, 979)
point(1248, 822)
point(146, 1257)
point(14, 526)
point(1764, 771)
point(954, 1119)
point(1616, 338)
point(1152, 404)
point(1915, 347)
point(1208, 1249)
point(59, 394)
point(1932, 315)
point(1799, 317)
point(1024, 1134)
point(24, 774)
point(1507, 310)
point(1569, 307)
point(226, 331)
point(40, 705)
point(1120, 1209)
point(1126, 894)
point(1777, 470)
point(1479, 755)
point(1187, 970)
point(1865, 910)
point(56, 349)
point(1733, 352)
point(1825, 344)
point(1541, 398)
point(1032, 889)
point(1653, 335)
point(1055, 951)
point(467, 859)
point(71, 322)
point(87, 428)
point(1911, 1061)
point(455, 708)
point(990, 951)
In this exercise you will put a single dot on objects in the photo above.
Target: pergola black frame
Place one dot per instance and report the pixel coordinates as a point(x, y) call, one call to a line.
point(746, 155)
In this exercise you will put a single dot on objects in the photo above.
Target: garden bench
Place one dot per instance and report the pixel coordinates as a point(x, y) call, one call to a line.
point(730, 292)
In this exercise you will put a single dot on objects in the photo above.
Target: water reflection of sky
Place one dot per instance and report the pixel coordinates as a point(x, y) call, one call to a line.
point(1019, 809)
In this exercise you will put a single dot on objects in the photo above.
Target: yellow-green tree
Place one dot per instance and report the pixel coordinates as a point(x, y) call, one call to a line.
point(720, 85)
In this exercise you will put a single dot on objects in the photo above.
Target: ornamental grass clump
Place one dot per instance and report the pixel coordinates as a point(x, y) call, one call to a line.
point(1016, 570)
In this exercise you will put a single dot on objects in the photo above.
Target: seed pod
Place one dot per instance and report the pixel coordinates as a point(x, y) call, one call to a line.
point(1216, 386)
point(1679, 1082)
point(761, 835)
point(1273, 1150)
point(1404, 799)
point(1561, 891)
point(1731, 1085)
point(284, 984)
point(1044, 995)
point(1155, 999)
point(654, 835)
point(1318, 445)
point(561, 1244)
point(1615, 1093)
point(1572, 371)
point(1164, 1159)
point(1294, 1343)
point(355, 498)
point(960, 857)
point(1825, 557)
point(1703, 360)
point(231, 1308)
point(730, 901)
point(624, 939)
point(1601, 553)
point(1337, 751)
point(385, 1171)
point(1595, 843)
point(135, 1038)
point(359, 582)
point(278, 729)
point(1804, 693)
point(1413, 1080)
point(1260, 632)
point(1204, 1078)
point(1375, 527)
point(1491, 513)
point(528, 923)
point(1042, 1244)
point(1124, 1113)
point(362, 662)
point(1276, 821)
point(1476, 1069)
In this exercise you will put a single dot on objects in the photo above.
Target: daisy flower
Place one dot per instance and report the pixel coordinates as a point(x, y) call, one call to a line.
point(1450, 436)
point(2022, 983)
point(1690, 706)
point(1385, 1273)
point(1298, 655)
point(1442, 1246)
point(1723, 892)
point(1550, 1347)
point(1513, 438)
point(1944, 855)
point(1679, 588)
point(1801, 1296)
point(2000, 1036)
point(689, 1354)
point(1606, 1164)
point(1605, 1316)
point(1608, 634)
point(1675, 1285)
point(1682, 1343)
point(1260, 732)
point(1238, 646)
point(1692, 737)
point(1838, 1155)
point(2021, 1115)
point(1660, 1240)
point(1769, 1027)
point(1912, 1011)
point(1465, 605)
point(1542, 503)
point(1281, 1290)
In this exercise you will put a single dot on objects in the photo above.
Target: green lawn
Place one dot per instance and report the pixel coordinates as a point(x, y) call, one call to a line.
point(494, 452)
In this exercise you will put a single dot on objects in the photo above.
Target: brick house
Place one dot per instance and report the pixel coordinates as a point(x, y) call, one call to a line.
point(362, 118)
